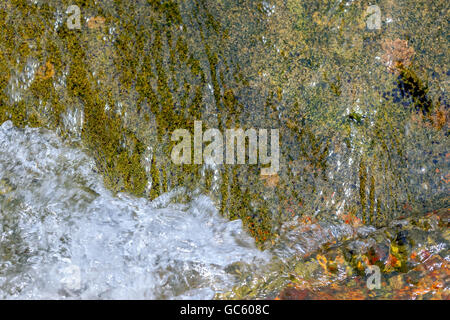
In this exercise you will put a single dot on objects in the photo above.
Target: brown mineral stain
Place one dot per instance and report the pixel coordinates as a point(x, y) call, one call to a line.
point(96, 22)
point(270, 180)
point(396, 54)
point(440, 117)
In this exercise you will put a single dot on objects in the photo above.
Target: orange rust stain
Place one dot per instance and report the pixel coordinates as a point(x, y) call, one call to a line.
point(96, 22)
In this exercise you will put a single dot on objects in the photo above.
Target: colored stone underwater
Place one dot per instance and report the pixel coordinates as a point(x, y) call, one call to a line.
point(359, 96)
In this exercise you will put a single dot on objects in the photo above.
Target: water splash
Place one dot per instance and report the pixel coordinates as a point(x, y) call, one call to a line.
point(21, 81)
point(64, 235)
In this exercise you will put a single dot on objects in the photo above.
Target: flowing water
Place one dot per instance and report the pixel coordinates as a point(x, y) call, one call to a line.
point(92, 206)
point(64, 235)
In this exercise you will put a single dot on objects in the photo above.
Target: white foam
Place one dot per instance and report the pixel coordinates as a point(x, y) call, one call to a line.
point(64, 235)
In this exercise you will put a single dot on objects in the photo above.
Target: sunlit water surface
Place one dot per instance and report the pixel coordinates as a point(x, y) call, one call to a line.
point(64, 235)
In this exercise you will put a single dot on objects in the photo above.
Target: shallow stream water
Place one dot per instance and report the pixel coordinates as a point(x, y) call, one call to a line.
point(64, 235)
point(92, 205)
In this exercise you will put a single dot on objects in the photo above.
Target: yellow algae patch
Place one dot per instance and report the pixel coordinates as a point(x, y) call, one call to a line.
point(46, 71)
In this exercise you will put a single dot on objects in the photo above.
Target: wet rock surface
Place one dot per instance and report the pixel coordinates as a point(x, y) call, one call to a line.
point(411, 255)
point(362, 114)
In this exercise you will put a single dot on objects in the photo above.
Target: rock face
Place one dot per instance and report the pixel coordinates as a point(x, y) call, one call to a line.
point(411, 264)
point(363, 119)
point(408, 259)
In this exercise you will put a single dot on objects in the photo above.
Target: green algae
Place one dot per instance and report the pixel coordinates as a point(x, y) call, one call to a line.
point(309, 69)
